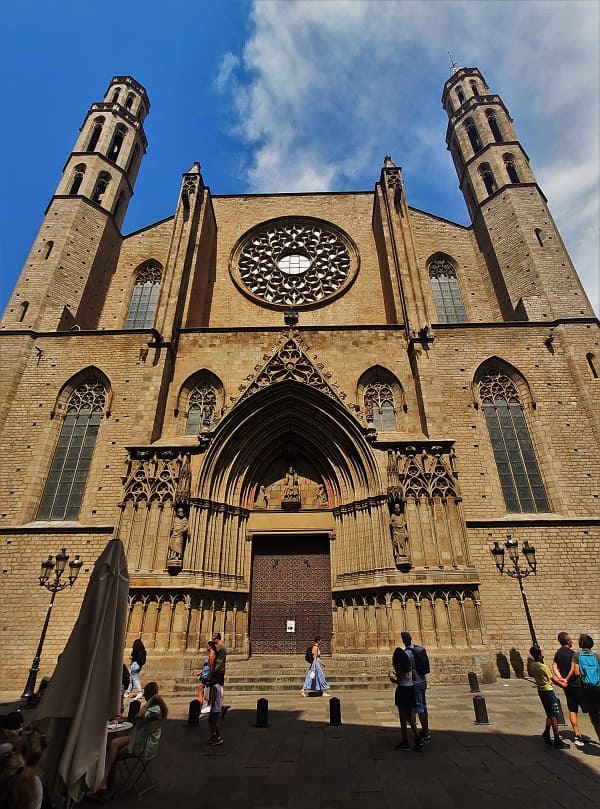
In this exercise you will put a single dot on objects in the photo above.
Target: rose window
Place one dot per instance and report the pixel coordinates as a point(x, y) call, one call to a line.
point(294, 262)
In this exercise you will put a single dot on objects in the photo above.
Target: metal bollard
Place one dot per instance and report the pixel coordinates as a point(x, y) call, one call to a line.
point(335, 712)
point(194, 714)
point(481, 716)
point(473, 682)
point(262, 713)
point(561, 716)
point(134, 709)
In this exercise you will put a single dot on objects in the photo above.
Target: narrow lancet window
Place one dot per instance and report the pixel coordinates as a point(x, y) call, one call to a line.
point(518, 470)
point(144, 299)
point(65, 485)
point(446, 291)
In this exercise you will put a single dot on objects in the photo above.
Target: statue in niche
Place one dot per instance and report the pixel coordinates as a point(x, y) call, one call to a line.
point(291, 490)
point(262, 498)
point(399, 536)
point(177, 541)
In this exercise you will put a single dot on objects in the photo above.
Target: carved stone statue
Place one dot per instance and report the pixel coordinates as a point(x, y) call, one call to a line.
point(262, 498)
point(290, 498)
point(399, 536)
point(177, 539)
point(321, 496)
point(290, 487)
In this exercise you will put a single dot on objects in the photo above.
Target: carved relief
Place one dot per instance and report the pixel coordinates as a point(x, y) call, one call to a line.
point(422, 482)
point(290, 362)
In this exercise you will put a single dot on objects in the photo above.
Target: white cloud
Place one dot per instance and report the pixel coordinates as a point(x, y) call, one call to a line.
point(323, 90)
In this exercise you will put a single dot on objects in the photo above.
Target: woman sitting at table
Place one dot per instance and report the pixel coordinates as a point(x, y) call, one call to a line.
point(144, 736)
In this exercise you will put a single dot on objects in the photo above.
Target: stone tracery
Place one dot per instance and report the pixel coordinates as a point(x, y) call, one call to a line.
point(294, 261)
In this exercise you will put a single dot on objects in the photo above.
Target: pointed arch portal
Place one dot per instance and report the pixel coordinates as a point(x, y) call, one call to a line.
point(291, 559)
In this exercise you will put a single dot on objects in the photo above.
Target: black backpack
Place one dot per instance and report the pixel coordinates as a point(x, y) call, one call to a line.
point(309, 655)
point(421, 660)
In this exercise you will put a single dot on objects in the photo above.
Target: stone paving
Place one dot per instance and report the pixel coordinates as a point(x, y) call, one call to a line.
point(299, 759)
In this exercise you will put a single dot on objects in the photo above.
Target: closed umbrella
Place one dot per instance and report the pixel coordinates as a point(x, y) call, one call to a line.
point(85, 689)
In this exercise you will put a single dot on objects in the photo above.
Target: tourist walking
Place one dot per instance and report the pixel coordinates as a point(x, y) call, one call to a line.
point(315, 679)
point(216, 710)
point(587, 666)
point(138, 660)
point(420, 664)
point(543, 679)
point(564, 667)
point(219, 668)
point(205, 673)
point(404, 698)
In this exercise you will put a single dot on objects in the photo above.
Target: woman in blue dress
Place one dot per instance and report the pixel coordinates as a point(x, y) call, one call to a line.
point(315, 678)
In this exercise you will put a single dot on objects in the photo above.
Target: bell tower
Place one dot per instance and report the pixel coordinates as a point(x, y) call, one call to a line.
point(64, 280)
point(532, 272)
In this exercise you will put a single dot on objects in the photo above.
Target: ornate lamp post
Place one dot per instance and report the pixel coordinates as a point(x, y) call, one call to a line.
point(519, 573)
point(55, 585)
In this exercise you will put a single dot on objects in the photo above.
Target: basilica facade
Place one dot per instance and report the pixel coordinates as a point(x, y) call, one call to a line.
point(303, 414)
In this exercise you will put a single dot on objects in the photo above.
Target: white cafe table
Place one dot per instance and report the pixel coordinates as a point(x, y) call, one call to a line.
point(118, 727)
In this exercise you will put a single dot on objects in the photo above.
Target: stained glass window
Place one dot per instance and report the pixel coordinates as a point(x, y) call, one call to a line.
point(518, 469)
point(144, 299)
point(68, 473)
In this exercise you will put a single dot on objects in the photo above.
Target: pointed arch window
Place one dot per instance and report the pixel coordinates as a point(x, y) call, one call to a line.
point(201, 409)
point(115, 97)
point(117, 142)
point(129, 101)
point(101, 186)
point(446, 291)
point(379, 406)
point(95, 136)
point(493, 124)
point(78, 176)
point(488, 178)
point(144, 298)
point(473, 134)
point(460, 95)
point(511, 168)
point(65, 485)
point(594, 364)
point(517, 465)
point(474, 89)
point(539, 235)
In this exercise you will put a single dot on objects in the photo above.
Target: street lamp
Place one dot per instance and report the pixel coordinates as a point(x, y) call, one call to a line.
point(54, 585)
point(517, 572)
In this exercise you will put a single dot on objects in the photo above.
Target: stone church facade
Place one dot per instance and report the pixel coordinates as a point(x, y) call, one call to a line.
point(302, 413)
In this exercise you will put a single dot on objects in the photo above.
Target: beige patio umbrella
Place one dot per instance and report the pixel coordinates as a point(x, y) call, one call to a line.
point(85, 689)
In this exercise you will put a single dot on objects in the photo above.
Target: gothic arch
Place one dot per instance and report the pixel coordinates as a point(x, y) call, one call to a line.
point(259, 429)
point(516, 377)
point(377, 383)
point(75, 381)
point(198, 382)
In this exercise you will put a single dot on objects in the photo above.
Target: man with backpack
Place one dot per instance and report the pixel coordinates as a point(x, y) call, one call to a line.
point(564, 668)
point(420, 665)
point(587, 667)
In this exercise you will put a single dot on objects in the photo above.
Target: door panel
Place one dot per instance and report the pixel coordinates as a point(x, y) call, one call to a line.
point(291, 580)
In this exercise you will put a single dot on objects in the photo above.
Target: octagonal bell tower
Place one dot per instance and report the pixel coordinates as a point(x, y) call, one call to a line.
point(64, 280)
point(532, 272)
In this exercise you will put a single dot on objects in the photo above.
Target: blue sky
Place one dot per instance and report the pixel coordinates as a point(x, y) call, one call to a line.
point(299, 96)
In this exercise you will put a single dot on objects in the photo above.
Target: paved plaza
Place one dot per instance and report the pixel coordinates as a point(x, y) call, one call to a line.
point(300, 760)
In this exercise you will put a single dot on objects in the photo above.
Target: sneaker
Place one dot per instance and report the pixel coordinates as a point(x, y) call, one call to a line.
point(140, 696)
point(224, 710)
point(403, 746)
point(425, 737)
point(215, 742)
point(560, 745)
point(418, 748)
point(546, 737)
point(578, 741)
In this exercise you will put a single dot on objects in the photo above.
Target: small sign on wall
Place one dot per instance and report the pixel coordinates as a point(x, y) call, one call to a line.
point(291, 626)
